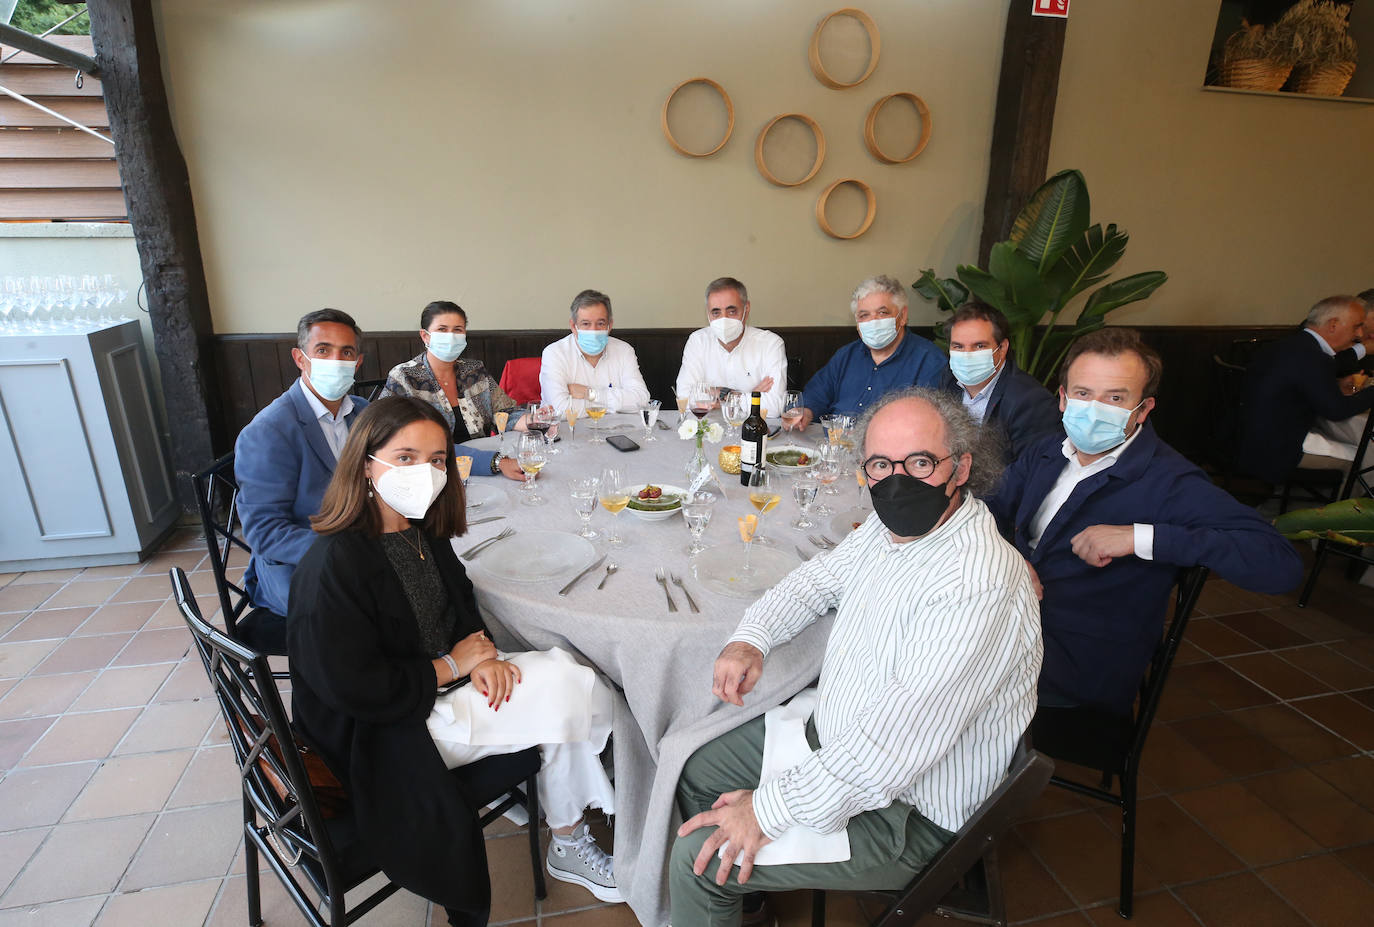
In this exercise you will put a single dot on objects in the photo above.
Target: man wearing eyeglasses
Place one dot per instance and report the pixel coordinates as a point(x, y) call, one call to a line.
point(1108, 516)
point(927, 682)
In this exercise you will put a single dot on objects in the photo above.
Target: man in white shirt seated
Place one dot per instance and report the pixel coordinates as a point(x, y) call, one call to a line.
point(590, 358)
point(927, 683)
point(729, 353)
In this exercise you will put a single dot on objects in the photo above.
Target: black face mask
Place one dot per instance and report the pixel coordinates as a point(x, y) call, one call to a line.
point(907, 506)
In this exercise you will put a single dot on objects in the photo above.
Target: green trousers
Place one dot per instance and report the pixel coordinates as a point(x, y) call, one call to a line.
point(887, 846)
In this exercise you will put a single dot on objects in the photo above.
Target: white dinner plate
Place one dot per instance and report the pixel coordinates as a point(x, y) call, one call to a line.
point(668, 490)
point(534, 556)
point(721, 569)
point(843, 522)
point(485, 496)
point(811, 452)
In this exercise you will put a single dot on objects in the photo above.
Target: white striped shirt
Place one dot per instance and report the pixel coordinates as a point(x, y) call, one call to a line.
point(929, 674)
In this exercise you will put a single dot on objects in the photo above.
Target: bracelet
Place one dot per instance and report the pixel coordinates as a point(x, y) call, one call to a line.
point(453, 667)
point(496, 462)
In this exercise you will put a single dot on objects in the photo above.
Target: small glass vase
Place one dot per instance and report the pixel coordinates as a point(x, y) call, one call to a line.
point(697, 463)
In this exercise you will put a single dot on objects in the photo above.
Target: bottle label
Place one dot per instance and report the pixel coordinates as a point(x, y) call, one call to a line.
point(747, 454)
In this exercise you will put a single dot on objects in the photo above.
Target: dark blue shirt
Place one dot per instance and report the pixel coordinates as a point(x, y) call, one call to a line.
point(850, 381)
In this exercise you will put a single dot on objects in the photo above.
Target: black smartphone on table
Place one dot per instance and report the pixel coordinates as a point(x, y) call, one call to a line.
point(621, 443)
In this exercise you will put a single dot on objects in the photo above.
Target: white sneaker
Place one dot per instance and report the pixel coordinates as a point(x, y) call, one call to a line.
point(577, 859)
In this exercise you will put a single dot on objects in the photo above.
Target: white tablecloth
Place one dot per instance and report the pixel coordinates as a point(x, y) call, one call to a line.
point(660, 661)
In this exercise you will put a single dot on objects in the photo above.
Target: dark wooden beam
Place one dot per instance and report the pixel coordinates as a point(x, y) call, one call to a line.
point(1026, 92)
point(157, 190)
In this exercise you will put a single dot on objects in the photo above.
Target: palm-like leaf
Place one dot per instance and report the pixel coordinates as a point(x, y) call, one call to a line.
point(1089, 261)
point(947, 293)
point(1116, 294)
point(1350, 521)
point(1053, 221)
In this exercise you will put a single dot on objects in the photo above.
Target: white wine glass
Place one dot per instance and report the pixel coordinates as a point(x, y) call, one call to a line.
point(532, 456)
point(763, 496)
point(614, 497)
point(596, 409)
point(584, 498)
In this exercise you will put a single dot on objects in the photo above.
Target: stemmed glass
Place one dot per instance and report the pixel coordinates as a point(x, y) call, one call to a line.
point(696, 511)
point(584, 503)
point(702, 400)
point(614, 497)
point(532, 456)
point(764, 496)
point(571, 414)
point(791, 409)
point(500, 419)
point(804, 493)
point(734, 409)
point(539, 420)
point(827, 472)
point(649, 413)
point(596, 410)
point(682, 405)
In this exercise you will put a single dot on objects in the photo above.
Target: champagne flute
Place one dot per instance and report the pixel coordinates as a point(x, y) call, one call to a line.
point(500, 419)
point(696, 511)
point(649, 413)
point(571, 414)
point(614, 497)
point(583, 496)
point(596, 411)
point(764, 496)
point(804, 493)
point(734, 410)
point(463, 464)
point(748, 528)
point(682, 405)
point(791, 409)
point(532, 457)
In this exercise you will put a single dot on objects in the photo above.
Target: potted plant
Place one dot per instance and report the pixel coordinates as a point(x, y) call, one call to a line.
point(1256, 58)
point(1318, 34)
point(1051, 258)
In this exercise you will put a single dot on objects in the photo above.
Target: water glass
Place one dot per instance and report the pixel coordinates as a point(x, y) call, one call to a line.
point(804, 493)
point(583, 497)
point(696, 511)
point(649, 413)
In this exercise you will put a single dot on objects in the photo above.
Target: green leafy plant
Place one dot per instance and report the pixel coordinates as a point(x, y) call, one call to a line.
point(1350, 521)
point(1052, 257)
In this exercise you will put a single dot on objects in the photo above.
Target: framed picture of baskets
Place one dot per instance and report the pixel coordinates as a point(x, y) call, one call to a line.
point(1303, 48)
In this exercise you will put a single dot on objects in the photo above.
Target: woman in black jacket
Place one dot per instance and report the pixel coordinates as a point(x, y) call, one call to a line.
point(382, 615)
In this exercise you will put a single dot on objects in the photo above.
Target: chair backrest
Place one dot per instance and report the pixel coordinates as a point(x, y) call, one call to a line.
point(368, 389)
point(1228, 390)
point(520, 378)
point(275, 783)
point(1187, 590)
point(1026, 779)
point(1360, 477)
point(217, 494)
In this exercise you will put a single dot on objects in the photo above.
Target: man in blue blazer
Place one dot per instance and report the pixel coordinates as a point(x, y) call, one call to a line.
point(284, 459)
point(1107, 517)
point(1293, 382)
point(996, 393)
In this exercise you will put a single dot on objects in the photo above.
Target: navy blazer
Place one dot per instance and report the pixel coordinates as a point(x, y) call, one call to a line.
point(1022, 409)
point(1288, 386)
point(283, 465)
point(1101, 624)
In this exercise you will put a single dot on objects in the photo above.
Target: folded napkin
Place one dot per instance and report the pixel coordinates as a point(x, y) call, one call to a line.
point(784, 746)
point(552, 704)
point(1320, 445)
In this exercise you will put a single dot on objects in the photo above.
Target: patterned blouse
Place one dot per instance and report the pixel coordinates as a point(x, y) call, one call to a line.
point(479, 395)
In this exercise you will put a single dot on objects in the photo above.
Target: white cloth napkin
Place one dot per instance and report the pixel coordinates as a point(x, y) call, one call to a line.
point(1320, 445)
point(550, 705)
point(784, 746)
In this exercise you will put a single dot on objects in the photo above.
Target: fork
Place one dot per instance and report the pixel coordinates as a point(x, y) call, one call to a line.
point(476, 549)
point(677, 581)
point(662, 581)
point(824, 543)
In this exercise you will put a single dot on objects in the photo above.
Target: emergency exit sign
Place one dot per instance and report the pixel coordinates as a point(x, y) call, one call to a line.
point(1057, 8)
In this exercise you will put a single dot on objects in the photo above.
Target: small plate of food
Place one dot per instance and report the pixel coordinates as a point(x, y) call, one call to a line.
point(793, 457)
point(655, 501)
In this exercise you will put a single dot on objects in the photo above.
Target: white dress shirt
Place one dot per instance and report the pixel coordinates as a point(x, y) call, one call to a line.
point(758, 355)
point(929, 674)
point(1075, 473)
point(335, 427)
point(617, 372)
point(977, 406)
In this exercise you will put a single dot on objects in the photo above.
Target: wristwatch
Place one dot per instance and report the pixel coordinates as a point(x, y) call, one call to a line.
point(496, 462)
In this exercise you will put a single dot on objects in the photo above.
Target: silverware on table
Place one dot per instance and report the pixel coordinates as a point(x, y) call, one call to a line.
point(476, 549)
point(824, 543)
point(578, 577)
point(803, 554)
point(663, 426)
point(677, 581)
point(610, 568)
point(483, 521)
point(672, 606)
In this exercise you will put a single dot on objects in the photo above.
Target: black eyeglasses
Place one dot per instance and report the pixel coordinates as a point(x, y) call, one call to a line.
point(920, 465)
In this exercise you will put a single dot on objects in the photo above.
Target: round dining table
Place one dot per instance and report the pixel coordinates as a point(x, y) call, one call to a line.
point(659, 661)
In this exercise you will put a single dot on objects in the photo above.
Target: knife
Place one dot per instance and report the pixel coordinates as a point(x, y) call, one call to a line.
point(483, 521)
point(575, 579)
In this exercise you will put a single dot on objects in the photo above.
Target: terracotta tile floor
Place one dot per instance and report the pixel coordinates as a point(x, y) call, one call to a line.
point(118, 797)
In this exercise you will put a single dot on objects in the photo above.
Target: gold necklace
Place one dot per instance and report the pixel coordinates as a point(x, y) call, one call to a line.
point(416, 547)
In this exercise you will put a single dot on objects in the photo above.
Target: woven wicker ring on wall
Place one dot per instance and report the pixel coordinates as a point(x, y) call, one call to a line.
point(875, 43)
point(824, 223)
point(871, 138)
point(820, 150)
point(729, 112)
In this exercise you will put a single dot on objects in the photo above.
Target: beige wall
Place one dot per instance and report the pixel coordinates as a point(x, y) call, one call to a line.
point(1255, 206)
point(507, 153)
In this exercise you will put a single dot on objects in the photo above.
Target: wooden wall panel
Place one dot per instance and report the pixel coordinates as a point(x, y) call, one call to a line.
point(89, 113)
point(62, 204)
point(17, 144)
point(71, 174)
point(46, 81)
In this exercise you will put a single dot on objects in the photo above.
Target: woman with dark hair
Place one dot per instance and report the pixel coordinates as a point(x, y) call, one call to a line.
point(460, 388)
point(382, 615)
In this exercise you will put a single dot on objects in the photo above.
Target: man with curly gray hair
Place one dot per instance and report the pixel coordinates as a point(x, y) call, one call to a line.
point(927, 683)
point(885, 357)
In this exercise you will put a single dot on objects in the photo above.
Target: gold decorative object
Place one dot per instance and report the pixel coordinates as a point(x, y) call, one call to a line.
point(874, 40)
point(820, 150)
point(729, 112)
point(871, 138)
point(824, 223)
point(729, 459)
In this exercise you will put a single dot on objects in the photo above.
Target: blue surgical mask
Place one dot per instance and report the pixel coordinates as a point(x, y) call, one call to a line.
point(1094, 427)
point(972, 367)
point(332, 379)
point(447, 345)
point(590, 342)
point(878, 333)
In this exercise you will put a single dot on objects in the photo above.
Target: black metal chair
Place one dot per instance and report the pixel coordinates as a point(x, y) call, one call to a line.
point(312, 845)
point(962, 880)
point(368, 389)
point(1113, 744)
point(217, 494)
point(1357, 481)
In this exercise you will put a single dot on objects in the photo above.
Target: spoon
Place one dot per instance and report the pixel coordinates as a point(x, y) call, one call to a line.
point(610, 568)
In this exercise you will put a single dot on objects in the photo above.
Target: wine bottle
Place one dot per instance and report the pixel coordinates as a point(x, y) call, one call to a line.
point(753, 436)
